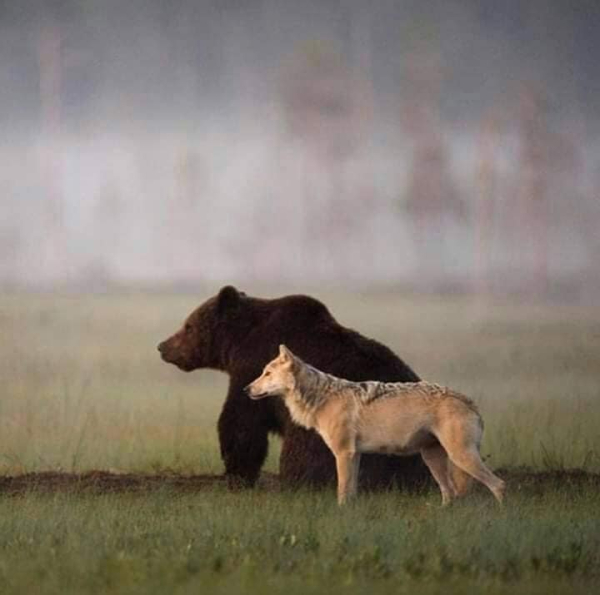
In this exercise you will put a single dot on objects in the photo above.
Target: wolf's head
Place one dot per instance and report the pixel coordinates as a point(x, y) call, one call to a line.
point(278, 377)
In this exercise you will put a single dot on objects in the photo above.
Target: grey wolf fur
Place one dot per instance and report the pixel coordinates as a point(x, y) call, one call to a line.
point(392, 418)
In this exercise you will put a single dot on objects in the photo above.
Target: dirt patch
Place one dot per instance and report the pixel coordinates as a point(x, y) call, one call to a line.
point(525, 479)
point(105, 482)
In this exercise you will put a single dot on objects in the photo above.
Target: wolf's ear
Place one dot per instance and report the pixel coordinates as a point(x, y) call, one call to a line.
point(285, 353)
point(228, 299)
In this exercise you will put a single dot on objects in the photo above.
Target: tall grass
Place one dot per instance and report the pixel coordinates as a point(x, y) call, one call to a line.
point(83, 386)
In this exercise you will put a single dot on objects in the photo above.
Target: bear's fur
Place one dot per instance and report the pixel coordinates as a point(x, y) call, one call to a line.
point(239, 335)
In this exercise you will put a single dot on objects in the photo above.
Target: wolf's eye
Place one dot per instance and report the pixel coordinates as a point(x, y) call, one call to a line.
point(268, 373)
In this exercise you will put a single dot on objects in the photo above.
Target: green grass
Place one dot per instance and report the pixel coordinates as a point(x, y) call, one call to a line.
point(83, 388)
point(260, 542)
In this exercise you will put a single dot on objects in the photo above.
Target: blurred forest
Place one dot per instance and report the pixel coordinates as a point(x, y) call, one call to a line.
point(437, 145)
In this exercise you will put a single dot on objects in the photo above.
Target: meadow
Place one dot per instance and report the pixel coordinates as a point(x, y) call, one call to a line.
point(83, 389)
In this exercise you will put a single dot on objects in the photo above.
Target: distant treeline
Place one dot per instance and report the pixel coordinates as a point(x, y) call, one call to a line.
point(138, 59)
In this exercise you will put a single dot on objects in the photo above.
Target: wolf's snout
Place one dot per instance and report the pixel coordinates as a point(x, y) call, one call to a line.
point(255, 397)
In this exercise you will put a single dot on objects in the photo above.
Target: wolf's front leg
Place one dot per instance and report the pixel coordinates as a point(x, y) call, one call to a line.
point(355, 471)
point(347, 475)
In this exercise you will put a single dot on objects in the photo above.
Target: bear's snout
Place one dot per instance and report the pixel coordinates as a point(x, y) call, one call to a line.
point(172, 352)
point(166, 351)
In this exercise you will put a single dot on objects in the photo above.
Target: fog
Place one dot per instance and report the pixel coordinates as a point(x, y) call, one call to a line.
point(431, 146)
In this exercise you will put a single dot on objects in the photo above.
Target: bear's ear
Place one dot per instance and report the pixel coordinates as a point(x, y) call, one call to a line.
point(228, 299)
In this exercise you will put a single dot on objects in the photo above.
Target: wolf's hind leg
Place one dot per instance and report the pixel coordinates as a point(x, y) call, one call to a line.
point(347, 464)
point(436, 459)
point(461, 436)
point(469, 460)
point(461, 480)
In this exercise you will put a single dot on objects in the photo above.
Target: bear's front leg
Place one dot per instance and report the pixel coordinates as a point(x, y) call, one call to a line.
point(305, 459)
point(244, 439)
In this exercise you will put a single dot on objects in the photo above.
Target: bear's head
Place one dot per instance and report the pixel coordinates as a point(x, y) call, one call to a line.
point(202, 340)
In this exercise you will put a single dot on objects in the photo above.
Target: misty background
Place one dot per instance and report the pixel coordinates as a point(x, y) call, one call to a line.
point(450, 145)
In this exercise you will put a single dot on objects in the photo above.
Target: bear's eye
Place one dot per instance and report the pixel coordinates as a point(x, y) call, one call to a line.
point(188, 328)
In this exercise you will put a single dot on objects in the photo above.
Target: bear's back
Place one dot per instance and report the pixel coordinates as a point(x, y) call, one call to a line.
point(307, 327)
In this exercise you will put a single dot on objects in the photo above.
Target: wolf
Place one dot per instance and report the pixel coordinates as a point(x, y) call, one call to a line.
point(396, 418)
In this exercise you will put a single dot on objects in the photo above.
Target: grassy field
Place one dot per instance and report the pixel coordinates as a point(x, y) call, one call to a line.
point(83, 388)
point(261, 542)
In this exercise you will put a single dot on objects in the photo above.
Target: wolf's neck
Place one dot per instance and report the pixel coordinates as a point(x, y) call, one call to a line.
point(303, 407)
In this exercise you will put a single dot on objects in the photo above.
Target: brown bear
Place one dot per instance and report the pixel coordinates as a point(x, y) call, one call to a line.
point(239, 334)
